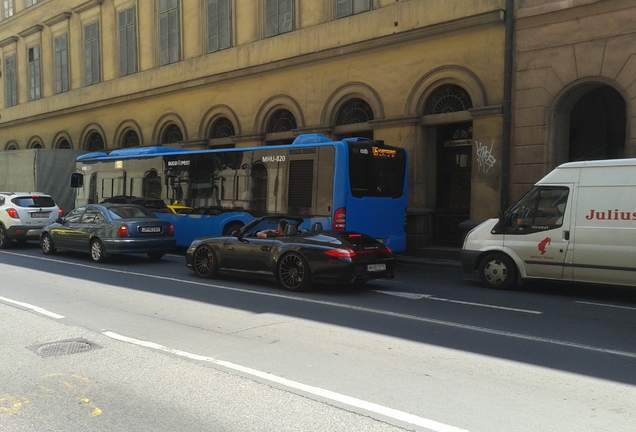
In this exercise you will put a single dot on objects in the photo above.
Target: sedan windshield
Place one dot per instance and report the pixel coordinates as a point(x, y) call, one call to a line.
point(130, 212)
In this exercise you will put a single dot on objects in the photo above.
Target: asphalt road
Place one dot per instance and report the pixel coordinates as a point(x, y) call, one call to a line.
point(159, 349)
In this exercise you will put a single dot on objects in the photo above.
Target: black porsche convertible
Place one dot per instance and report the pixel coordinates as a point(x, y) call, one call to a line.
point(296, 258)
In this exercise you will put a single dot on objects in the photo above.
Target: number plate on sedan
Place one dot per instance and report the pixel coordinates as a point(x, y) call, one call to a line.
point(376, 267)
point(42, 215)
point(152, 229)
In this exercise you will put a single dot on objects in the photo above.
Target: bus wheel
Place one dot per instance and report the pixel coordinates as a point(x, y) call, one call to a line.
point(204, 262)
point(293, 273)
point(498, 271)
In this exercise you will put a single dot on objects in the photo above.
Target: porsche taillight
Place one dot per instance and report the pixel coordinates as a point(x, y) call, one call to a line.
point(339, 219)
point(171, 231)
point(123, 231)
point(340, 253)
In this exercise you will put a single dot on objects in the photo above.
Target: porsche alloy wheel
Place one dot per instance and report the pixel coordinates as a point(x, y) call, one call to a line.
point(293, 273)
point(97, 251)
point(204, 262)
point(47, 245)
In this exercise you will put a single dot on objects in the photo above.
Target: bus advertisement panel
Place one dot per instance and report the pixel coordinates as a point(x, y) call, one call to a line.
point(355, 184)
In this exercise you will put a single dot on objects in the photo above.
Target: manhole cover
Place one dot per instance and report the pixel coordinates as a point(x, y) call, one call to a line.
point(56, 349)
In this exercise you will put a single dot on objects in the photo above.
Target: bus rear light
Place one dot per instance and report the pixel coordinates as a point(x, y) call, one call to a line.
point(13, 213)
point(340, 253)
point(123, 231)
point(339, 219)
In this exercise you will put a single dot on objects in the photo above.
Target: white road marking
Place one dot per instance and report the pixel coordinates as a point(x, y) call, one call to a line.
point(32, 307)
point(317, 391)
point(414, 296)
point(606, 305)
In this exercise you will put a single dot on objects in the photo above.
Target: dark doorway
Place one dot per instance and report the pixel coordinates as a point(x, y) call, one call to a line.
point(597, 126)
point(454, 164)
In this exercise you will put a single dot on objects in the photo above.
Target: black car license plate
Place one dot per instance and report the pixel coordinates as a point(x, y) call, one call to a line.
point(41, 215)
point(376, 267)
point(151, 229)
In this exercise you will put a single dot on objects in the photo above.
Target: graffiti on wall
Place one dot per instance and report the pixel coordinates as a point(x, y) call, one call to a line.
point(485, 159)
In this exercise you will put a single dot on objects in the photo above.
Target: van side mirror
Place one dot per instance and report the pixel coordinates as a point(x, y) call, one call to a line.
point(77, 180)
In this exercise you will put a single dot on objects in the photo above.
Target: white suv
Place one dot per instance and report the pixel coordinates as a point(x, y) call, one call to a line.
point(24, 214)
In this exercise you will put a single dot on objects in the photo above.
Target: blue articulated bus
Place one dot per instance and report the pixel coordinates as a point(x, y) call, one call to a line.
point(355, 184)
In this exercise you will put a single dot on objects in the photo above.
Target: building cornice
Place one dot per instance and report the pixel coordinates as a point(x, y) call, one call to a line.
point(58, 18)
point(31, 30)
point(8, 41)
point(87, 5)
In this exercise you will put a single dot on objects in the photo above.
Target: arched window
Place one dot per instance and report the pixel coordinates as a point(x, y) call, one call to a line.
point(172, 134)
point(95, 142)
point(354, 111)
point(131, 139)
point(64, 144)
point(37, 145)
point(281, 121)
point(151, 187)
point(222, 128)
point(446, 99)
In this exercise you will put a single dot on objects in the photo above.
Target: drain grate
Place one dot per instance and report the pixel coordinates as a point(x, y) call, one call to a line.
point(60, 348)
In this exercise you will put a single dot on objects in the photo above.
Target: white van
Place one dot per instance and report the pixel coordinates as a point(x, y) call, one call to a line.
point(578, 223)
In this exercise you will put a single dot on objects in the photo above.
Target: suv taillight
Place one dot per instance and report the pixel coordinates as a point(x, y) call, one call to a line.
point(339, 219)
point(13, 213)
point(61, 213)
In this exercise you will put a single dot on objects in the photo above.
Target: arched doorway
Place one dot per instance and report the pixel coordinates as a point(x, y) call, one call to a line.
point(590, 123)
point(453, 146)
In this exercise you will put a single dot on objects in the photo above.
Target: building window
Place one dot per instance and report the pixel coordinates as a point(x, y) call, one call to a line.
point(64, 144)
point(222, 128)
point(29, 3)
point(61, 63)
point(354, 111)
point(172, 134)
point(131, 139)
point(35, 77)
point(10, 82)
point(91, 53)
point(7, 9)
point(279, 17)
point(127, 42)
point(281, 121)
point(447, 99)
point(219, 25)
point(351, 7)
point(95, 142)
point(169, 31)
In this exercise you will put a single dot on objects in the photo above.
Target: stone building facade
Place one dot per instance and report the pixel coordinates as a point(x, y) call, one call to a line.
point(574, 85)
point(426, 75)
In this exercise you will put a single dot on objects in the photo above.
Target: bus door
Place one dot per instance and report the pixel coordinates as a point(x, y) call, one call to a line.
point(110, 184)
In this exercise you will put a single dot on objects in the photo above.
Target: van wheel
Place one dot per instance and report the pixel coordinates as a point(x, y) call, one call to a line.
point(498, 271)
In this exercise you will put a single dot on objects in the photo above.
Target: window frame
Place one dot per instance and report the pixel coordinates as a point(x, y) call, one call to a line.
point(128, 49)
point(10, 81)
point(353, 7)
point(215, 23)
point(60, 63)
point(92, 54)
point(169, 28)
point(274, 19)
point(34, 72)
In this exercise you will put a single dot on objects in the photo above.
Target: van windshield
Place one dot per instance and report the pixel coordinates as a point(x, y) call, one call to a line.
point(542, 208)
